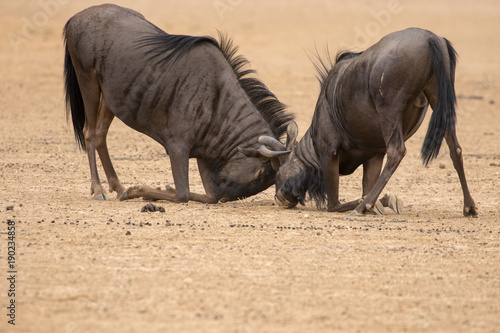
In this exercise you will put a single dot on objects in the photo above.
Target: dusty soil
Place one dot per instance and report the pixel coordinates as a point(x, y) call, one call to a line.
point(87, 266)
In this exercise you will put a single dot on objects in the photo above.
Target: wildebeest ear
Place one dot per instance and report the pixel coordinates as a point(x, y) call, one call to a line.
point(291, 135)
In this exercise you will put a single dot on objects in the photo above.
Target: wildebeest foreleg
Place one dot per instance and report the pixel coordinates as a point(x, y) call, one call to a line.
point(331, 177)
point(143, 191)
point(470, 208)
point(345, 207)
point(207, 178)
point(179, 161)
point(371, 172)
point(395, 152)
point(330, 167)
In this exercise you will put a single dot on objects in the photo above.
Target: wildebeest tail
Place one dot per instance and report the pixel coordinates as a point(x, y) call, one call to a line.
point(74, 100)
point(443, 113)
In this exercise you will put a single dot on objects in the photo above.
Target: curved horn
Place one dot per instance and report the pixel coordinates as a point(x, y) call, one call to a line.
point(271, 142)
point(291, 134)
point(266, 152)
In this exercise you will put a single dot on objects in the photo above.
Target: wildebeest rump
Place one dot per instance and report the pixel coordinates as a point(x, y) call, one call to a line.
point(192, 95)
point(370, 103)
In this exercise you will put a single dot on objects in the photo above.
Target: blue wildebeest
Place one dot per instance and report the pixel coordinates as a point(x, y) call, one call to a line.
point(192, 95)
point(370, 103)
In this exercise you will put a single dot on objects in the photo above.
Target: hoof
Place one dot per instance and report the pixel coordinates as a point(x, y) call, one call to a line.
point(119, 192)
point(354, 213)
point(101, 197)
point(471, 211)
point(396, 204)
point(124, 196)
point(377, 209)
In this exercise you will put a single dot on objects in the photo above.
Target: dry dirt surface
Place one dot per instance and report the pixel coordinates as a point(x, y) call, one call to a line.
point(246, 266)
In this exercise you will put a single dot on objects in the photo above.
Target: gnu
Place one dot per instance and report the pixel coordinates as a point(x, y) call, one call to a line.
point(370, 103)
point(190, 94)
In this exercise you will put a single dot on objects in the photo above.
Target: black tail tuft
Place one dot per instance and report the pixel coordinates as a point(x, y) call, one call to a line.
point(74, 100)
point(443, 113)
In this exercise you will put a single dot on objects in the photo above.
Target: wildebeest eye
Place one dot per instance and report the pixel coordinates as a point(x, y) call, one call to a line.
point(259, 173)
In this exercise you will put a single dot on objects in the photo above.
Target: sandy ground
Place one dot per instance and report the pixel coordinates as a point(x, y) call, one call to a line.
point(247, 266)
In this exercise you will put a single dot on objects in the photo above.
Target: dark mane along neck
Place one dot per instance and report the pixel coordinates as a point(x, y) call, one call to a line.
point(330, 104)
point(165, 48)
point(273, 111)
point(310, 178)
point(324, 66)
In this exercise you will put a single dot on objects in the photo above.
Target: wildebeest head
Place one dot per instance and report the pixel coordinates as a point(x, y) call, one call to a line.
point(290, 185)
point(292, 173)
point(241, 177)
point(297, 166)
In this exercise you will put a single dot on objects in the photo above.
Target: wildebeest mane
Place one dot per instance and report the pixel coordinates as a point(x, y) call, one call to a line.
point(166, 48)
point(273, 111)
point(310, 180)
point(323, 69)
point(323, 65)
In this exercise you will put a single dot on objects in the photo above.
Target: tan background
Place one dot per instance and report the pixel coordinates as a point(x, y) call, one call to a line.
point(248, 266)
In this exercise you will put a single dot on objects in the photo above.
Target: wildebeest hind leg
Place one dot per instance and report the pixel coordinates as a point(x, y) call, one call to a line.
point(104, 119)
point(345, 207)
point(91, 92)
point(470, 208)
